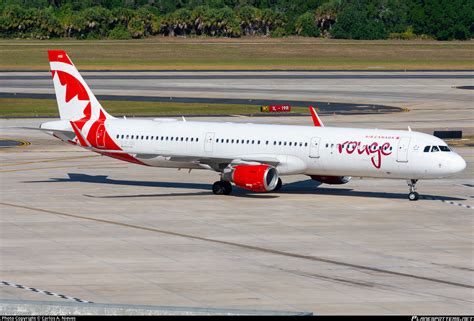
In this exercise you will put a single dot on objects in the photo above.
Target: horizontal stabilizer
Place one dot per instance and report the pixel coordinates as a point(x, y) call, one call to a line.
point(62, 131)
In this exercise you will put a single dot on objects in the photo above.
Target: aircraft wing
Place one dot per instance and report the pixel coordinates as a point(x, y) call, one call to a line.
point(314, 115)
point(217, 164)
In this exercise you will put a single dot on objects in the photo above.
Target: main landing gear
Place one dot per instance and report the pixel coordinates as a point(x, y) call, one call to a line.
point(222, 188)
point(413, 195)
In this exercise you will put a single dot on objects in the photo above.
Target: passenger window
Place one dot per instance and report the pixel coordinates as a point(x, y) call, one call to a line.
point(258, 142)
point(182, 138)
point(192, 138)
point(253, 141)
point(306, 144)
point(127, 136)
point(266, 143)
point(162, 137)
point(197, 139)
point(279, 143)
point(434, 149)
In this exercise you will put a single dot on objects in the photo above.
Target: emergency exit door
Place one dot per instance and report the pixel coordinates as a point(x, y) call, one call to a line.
point(209, 142)
point(314, 147)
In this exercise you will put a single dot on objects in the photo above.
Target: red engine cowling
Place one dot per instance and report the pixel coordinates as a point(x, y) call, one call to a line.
point(256, 178)
point(333, 180)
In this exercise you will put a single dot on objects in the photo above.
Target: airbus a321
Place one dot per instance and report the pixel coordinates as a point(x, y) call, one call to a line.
point(250, 156)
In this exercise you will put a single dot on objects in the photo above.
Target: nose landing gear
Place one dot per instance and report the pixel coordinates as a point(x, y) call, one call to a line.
point(413, 195)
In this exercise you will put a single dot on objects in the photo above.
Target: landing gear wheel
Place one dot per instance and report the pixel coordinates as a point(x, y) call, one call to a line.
point(227, 188)
point(413, 196)
point(279, 184)
point(218, 188)
point(222, 188)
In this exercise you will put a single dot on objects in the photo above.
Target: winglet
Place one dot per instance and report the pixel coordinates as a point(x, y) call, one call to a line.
point(316, 120)
point(82, 140)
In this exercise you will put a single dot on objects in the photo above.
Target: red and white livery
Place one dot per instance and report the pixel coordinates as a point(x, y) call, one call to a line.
point(251, 156)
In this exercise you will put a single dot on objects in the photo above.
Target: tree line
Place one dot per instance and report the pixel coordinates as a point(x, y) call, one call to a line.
point(342, 19)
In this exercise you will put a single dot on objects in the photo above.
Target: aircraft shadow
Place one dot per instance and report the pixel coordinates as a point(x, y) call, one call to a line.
point(309, 187)
point(103, 179)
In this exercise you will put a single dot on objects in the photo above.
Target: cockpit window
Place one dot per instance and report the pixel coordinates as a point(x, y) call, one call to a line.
point(434, 149)
point(444, 148)
point(427, 149)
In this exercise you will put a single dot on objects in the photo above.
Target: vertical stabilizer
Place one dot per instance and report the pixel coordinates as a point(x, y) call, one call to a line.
point(75, 99)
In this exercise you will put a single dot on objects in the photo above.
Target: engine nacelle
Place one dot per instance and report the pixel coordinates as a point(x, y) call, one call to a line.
point(333, 180)
point(256, 178)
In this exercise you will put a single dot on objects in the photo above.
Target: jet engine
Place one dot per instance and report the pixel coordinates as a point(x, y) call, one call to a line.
point(333, 180)
point(256, 178)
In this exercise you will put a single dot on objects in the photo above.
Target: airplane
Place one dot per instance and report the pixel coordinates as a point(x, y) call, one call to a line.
point(250, 156)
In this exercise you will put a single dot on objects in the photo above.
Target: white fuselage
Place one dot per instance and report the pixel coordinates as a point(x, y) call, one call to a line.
point(306, 150)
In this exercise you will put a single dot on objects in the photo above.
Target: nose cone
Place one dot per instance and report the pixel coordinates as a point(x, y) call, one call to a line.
point(457, 164)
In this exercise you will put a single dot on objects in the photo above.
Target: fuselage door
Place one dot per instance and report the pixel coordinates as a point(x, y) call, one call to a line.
point(402, 150)
point(314, 147)
point(209, 142)
point(100, 137)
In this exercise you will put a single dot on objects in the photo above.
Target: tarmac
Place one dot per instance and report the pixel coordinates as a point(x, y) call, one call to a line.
point(75, 225)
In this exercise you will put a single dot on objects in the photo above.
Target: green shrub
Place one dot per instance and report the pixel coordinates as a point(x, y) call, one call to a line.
point(305, 25)
point(119, 33)
point(278, 32)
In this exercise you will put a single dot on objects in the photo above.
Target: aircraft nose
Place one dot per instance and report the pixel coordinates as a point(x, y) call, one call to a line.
point(457, 164)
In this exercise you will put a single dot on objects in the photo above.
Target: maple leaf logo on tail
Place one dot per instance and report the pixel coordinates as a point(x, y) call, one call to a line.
point(78, 105)
point(75, 100)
